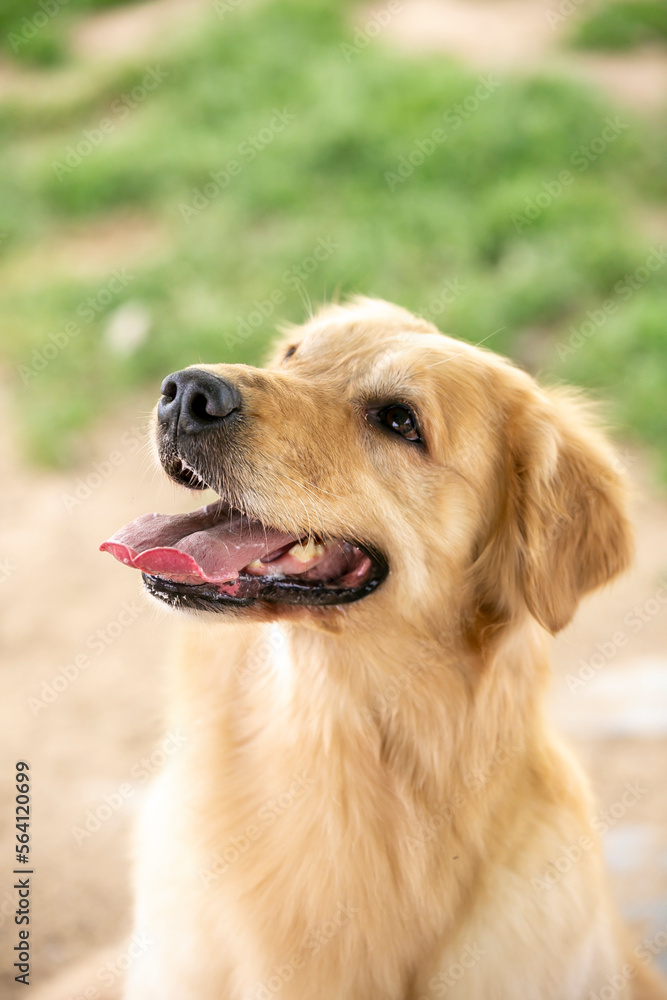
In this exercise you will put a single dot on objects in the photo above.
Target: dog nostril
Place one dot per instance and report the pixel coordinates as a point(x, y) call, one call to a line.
point(198, 407)
point(169, 389)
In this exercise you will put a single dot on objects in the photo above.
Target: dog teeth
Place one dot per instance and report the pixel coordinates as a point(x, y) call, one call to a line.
point(304, 553)
point(256, 564)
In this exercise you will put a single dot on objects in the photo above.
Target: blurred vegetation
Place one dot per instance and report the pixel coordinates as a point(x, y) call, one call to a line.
point(37, 31)
point(484, 235)
point(623, 24)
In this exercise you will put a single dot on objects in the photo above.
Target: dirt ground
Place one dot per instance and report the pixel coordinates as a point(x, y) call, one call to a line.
point(91, 720)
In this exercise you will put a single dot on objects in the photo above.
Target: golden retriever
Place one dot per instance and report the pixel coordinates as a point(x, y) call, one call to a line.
point(370, 804)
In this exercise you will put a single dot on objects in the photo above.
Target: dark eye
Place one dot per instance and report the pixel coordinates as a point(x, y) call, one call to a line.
point(289, 352)
point(400, 420)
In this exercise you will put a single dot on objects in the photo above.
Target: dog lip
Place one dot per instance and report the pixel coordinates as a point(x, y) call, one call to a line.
point(249, 591)
point(182, 472)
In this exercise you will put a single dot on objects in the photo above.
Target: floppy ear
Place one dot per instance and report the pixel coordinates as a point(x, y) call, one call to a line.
point(571, 509)
point(563, 530)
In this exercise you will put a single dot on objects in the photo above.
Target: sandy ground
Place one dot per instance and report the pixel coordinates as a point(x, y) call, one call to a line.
point(92, 720)
point(93, 734)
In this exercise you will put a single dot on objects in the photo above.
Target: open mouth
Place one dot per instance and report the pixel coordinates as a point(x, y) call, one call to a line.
point(183, 474)
point(217, 557)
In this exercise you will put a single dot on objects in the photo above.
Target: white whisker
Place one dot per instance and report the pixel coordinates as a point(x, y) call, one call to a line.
point(462, 353)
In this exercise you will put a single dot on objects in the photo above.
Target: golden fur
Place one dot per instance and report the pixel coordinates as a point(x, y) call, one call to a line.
point(370, 795)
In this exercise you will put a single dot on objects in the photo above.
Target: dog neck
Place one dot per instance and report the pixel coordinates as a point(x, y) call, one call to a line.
point(426, 715)
point(366, 747)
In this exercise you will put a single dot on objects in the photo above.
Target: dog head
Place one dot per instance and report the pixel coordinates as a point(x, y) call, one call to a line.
point(378, 466)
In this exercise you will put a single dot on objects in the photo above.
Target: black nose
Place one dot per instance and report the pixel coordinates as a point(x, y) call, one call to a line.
point(196, 401)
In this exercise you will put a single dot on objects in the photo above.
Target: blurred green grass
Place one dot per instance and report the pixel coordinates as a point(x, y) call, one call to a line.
point(36, 32)
point(478, 236)
point(623, 24)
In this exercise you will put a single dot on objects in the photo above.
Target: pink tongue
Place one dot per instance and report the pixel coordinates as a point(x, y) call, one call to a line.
point(211, 545)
